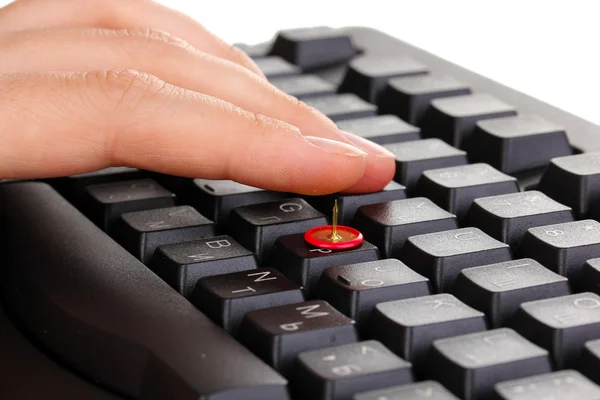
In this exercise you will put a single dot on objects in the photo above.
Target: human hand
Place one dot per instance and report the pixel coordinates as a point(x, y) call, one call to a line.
point(89, 84)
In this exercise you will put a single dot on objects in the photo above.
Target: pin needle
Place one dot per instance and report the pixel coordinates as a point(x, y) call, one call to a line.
point(334, 237)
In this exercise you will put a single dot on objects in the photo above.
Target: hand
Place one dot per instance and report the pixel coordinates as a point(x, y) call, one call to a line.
point(88, 84)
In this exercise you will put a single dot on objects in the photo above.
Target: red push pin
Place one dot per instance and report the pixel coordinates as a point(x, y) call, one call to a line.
point(332, 236)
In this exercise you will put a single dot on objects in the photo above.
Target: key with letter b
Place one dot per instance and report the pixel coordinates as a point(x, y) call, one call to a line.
point(182, 264)
point(337, 373)
point(278, 334)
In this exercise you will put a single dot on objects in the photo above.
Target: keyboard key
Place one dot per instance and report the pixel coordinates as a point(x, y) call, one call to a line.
point(563, 248)
point(589, 279)
point(574, 181)
point(453, 119)
point(304, 264)
point(381, 129)
point(342, 106)
point(514, 144)
point(414, 157)
point(304, 86)
point(561, 325)
point(367, 75)
point(276, 67)
point(182, 264)
point(589, 362)
point(141, 232)
point(72, 187)
point(388, 225)
point(470, 365)
point(337, 373)
point(255, 51)
point(409, 327)
point(313, 47)
point(348, 204)
point(499, 289)
point(455, 188)
point(278, 334)
point(427, 390)
point(105, 202)
point(440, 256)
point(258, 226)
point(409, 97)
point(107, 316)
point(355, 289)
point(563, 385)
point(216, 198)
point(507, 217)
point(227, 298)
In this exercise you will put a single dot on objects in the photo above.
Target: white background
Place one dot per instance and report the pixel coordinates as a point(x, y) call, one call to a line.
point(548, 49)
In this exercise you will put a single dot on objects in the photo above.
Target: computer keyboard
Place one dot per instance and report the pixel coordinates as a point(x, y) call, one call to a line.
point(478, 278)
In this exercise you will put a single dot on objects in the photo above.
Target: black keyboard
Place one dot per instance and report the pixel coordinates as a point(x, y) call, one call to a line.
point(479, 276)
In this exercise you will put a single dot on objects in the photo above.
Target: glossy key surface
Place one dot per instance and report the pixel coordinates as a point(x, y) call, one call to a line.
point(381, 129)
point(563, 385)
point(342, 106)
point(440, 256)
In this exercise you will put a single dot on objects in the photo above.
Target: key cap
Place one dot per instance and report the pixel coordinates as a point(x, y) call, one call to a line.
point(515, 144)
point(455, 188)
point(258, 226)
point(108, 316)
point(367, 75)
point(414, 157)
point(507, 217)
point(255, 51)
point(72, 187)
point(409, 97)
point(304, 86)
point(499, 289)
point(315, 47)
point(278, 334)
point(227, 298)
point(589, 279)
point(216, 198)
point(388, 225)
point(141, 232)
point(381, 129)
point(573, 181)
point(409, 327)
point(355, 289)
point(589, 362)
point(453, 119)
point(561, 325)
point(440, 256)
point(304, 264)
point(104, 203)
point(337, 373)
point(563, 248)
point(427, 390)
point(563, 385)
point(470, 365)
point(182, 264)
point(348, 204)
point(276, 67)
point(342, 106)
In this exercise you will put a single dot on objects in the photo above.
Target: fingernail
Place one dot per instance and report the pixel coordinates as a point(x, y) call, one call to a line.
point(336, 147)
point(370, 147)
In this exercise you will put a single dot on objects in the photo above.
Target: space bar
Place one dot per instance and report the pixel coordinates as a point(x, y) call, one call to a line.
point(110, 318)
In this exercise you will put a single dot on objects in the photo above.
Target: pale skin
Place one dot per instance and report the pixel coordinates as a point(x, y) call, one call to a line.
point(90, 84)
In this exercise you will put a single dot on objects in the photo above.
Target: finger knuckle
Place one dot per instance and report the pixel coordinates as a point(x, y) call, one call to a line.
point(127, 88)
point(159, 41)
